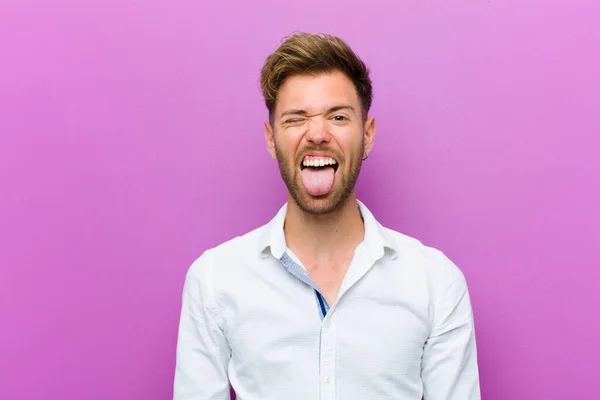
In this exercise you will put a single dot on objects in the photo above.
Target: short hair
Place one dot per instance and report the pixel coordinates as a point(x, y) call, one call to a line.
point(314, 54)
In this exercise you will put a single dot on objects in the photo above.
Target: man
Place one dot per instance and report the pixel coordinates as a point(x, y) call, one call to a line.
point(323, 302)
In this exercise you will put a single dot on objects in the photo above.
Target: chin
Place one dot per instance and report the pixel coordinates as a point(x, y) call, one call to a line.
point(333, 201)
point(322, 205)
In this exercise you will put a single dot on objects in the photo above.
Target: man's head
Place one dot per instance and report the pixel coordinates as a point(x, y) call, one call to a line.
point(318, 93)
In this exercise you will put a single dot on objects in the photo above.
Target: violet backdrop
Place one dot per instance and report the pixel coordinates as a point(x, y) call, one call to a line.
point(131, 140)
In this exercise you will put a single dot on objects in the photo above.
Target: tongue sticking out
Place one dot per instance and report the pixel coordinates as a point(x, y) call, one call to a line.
point(318, 181)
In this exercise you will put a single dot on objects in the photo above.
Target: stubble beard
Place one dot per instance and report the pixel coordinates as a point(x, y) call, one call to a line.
point(321, 205)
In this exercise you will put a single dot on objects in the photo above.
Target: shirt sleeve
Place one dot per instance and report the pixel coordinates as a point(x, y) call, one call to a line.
point(449, 365)
point(202, 350)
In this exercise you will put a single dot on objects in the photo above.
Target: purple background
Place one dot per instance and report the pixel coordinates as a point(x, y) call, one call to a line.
point(131, 140)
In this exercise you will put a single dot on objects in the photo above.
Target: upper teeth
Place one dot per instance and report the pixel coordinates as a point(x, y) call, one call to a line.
point(318, 162)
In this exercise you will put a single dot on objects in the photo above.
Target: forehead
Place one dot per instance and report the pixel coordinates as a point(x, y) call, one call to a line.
point(316, 93)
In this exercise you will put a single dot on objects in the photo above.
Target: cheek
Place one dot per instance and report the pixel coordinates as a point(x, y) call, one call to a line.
point(286, 148)
point(289, 141)
point(351, 143)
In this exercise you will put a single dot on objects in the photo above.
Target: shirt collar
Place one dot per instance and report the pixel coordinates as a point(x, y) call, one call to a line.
point(272, 237)
point(377, 239)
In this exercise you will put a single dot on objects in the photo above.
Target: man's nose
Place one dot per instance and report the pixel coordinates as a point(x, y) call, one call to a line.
point(317, 131)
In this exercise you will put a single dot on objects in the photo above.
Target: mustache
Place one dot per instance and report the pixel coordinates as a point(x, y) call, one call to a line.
point(318, 149)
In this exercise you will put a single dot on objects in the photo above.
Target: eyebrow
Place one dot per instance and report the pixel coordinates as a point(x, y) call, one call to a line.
point(295, 111)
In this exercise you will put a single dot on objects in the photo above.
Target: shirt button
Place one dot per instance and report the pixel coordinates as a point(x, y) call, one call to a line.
point(327, 324)
point(328, 379)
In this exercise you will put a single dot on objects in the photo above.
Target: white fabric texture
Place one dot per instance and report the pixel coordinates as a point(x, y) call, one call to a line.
point(401, 327)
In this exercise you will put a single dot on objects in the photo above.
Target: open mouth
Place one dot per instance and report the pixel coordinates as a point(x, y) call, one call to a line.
point(319, 163)
point(318, 174)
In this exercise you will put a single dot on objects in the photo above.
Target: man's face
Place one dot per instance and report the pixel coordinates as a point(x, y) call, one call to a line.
point(318, 138)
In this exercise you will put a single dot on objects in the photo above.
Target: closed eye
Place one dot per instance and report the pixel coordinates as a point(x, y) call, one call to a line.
point(294, 121)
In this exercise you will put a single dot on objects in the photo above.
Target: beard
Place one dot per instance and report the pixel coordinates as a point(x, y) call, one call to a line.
point(345, 179)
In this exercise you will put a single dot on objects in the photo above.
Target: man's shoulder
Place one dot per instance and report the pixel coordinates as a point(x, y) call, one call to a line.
point(229, 253)
point(239, 246)
point(413, 253)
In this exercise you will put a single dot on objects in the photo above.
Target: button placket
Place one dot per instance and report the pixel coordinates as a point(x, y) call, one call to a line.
point(328, 347)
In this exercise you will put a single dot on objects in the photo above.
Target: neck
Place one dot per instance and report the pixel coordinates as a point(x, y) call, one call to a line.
point(323, 237)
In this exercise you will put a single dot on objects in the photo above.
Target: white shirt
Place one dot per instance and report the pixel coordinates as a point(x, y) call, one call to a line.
point(400, 328)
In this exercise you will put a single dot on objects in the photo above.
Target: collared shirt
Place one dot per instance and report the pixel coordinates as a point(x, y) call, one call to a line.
point(400, 328)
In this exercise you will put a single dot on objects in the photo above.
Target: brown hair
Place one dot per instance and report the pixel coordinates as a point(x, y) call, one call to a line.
point(313, 54)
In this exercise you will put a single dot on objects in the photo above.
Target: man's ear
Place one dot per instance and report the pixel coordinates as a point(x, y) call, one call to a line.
point(369, 135)
point(270, 140)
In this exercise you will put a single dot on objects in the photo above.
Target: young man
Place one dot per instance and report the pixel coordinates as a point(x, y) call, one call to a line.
point(323, 302)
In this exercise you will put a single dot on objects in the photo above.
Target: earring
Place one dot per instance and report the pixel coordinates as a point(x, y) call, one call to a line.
point(366, 156)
